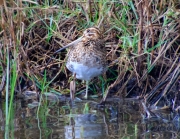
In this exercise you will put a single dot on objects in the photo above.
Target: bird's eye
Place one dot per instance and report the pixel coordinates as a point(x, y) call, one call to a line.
point(88, 30)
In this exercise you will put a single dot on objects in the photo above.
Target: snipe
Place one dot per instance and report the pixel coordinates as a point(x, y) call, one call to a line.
point(87, 56)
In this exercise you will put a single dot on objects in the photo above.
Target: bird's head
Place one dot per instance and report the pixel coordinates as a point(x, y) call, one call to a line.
point(92, 33)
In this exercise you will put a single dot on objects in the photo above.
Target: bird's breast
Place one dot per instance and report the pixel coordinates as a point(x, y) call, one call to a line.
point(84, 72)
point(87, 60)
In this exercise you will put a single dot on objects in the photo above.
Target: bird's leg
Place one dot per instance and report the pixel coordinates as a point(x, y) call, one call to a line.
point(73, 87)
point(87, 85)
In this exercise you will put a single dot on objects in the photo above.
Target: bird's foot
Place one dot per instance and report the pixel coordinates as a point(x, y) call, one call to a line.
point(86, 96)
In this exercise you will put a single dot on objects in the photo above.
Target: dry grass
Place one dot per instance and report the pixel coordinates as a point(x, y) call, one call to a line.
point(142, 39)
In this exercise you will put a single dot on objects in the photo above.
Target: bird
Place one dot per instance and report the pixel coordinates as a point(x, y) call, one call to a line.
point(86, 58)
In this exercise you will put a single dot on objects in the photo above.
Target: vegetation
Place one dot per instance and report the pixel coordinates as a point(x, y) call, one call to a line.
point(142, 39)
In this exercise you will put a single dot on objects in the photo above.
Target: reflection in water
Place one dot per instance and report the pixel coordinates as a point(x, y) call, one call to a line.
point(85, 126)
point(86, 120)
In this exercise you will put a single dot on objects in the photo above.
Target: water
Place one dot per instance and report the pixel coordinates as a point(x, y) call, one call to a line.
point(117, 119)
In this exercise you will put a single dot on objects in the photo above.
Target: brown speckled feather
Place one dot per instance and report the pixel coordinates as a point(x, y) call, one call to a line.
point(87, 57)
point(90, 52)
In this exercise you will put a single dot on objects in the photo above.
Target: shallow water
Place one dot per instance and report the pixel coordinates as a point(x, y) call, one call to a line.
point(120, 119)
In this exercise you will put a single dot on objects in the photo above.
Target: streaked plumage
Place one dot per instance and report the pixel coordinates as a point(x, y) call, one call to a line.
point(87, 56)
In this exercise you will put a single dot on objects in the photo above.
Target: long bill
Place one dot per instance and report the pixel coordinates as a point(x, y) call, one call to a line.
point(70, 44)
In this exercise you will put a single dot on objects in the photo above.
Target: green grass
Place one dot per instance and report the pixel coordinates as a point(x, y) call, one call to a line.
point(32, 32)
